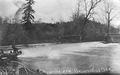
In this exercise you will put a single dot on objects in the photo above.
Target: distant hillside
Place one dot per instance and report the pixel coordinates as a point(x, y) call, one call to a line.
point(58, 32)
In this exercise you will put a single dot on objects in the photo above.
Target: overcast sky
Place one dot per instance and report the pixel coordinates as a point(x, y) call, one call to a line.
point(48, 10)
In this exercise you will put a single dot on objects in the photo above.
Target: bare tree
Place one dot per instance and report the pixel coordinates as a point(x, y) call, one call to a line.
point(76, 17)
point(76, 14)
point(18, 13)
point(84, 11)
point(108, 10)
point(89, 8)
point(108, 15)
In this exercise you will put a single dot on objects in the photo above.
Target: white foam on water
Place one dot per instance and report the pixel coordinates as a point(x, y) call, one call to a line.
point(34, 52)
point(56, 51)
point(40, 52)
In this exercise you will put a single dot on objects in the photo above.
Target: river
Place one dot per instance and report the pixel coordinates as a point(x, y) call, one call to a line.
point(73, 57)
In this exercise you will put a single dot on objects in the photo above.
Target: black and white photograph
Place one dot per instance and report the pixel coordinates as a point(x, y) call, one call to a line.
point(59, 37)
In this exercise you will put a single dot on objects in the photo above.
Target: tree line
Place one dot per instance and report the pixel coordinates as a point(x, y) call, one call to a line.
point(82, 27)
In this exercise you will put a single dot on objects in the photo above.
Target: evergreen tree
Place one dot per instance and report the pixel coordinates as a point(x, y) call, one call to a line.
point(28, 17)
